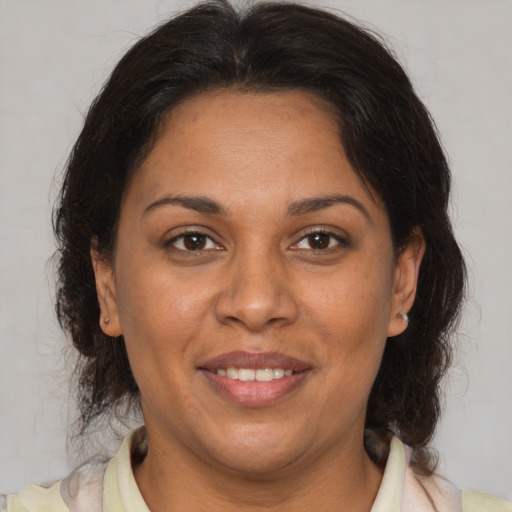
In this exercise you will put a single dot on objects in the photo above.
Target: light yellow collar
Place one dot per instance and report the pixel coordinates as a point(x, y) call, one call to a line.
point(401, 490)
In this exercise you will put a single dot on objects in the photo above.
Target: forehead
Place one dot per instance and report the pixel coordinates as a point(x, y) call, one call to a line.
point(248, 122)
point(262, 104)
point(247, 144)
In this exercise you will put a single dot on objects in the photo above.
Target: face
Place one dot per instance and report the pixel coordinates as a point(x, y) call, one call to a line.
point(254, 282)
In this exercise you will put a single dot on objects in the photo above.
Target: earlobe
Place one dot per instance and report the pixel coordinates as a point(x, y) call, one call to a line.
point(405, 282)
point(106, 292)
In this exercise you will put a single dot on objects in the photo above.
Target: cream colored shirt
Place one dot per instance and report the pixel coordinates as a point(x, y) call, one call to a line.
point(111, 487)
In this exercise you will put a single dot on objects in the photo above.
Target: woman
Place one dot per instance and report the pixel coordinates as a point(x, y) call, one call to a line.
point(255, 249)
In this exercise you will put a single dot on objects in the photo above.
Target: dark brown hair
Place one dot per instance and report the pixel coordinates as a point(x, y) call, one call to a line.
point(388, 136)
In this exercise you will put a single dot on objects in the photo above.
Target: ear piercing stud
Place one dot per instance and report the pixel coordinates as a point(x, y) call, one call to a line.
point(106, 320)
point(404, 317)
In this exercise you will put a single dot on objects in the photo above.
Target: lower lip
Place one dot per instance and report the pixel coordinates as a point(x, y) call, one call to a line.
point(255, 393)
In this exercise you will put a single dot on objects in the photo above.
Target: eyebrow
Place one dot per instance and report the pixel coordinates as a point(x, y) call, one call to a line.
point(206, 205)
point(315, 204)
point(199, 204)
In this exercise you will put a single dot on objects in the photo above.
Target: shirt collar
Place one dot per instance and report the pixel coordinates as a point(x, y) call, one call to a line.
point(120, 491)
point(389, 497)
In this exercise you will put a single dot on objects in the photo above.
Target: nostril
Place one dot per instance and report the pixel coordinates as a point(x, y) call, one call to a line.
point(256, 318)
point(254, 298)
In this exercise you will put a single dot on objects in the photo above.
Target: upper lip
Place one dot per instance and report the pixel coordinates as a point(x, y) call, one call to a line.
point(254, 360)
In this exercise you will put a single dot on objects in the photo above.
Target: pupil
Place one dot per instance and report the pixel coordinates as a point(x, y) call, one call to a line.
point(194, 242)
point(319, 241)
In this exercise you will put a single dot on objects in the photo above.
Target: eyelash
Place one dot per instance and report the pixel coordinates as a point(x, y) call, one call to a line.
point(332, 237)
point(182, 237)
point(333, 241)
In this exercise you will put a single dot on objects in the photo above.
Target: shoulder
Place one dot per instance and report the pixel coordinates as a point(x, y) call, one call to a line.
point(81, 491)
point(84, 489)
point(35, 498)
point(480, 502)
point(434, 492)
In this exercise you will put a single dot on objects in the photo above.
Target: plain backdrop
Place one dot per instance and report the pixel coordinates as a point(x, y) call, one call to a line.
point(54, 56)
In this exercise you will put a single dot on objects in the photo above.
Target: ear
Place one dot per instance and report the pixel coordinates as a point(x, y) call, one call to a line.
point(106, 291)
point(405, 281)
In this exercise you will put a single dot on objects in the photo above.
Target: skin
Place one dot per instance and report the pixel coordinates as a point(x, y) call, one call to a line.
point(260, 283)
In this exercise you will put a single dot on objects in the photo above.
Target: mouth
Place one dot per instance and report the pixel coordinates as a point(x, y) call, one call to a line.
point(251, 375)
point(254, 379)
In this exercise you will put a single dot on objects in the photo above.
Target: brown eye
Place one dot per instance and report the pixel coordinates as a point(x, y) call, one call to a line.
point(319, 240)
point(194, 242)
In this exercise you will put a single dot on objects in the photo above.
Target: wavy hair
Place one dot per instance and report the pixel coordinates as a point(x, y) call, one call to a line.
point(389, 138)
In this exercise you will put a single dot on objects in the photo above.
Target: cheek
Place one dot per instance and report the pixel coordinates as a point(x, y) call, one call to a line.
point(159, 321)
point(354, 300)
point(152, 294)
point(351, 310)
point(160, 314)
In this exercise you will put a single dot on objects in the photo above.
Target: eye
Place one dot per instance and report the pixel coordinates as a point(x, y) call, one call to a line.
point(320, 241)
point(193, 241)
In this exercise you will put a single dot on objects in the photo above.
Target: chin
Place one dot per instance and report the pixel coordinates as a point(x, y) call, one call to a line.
point(257, 453)
point(258, 464)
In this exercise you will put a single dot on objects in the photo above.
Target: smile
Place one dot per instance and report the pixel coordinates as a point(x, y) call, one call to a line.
point(251, 379)
point(250, 374)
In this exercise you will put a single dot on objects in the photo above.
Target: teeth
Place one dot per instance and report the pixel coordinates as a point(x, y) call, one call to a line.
point(278, 373)
point(232, 373)
point(264, 374)
point(246, 374)
point(249, 374)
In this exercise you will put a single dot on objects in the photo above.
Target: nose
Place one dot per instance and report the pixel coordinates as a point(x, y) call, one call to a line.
point(257, 294)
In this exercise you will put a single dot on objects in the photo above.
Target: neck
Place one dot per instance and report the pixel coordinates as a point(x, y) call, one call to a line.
point(338, 480)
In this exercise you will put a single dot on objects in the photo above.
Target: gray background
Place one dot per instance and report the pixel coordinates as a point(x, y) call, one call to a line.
point(54, 56)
